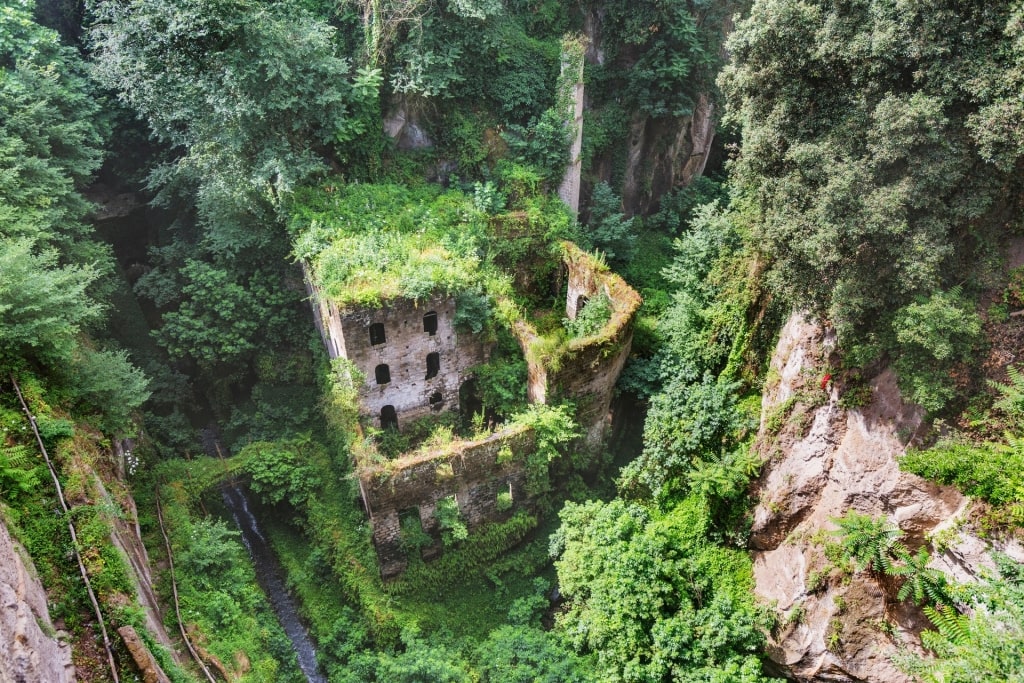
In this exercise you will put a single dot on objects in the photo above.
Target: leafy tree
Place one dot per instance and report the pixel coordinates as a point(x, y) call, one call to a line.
point(686, 421)
point(931, 335)
point(527, 654)
point(279, 472)
point(662, 54)
point(51, 134)
point(50, 267)
point(108, 382)
point(420, 661)
point(43, 306)
point(222, 319)
point(862, 147)
point(652, 598)
point(713, 292)
point(253, 90)
point(609, 229)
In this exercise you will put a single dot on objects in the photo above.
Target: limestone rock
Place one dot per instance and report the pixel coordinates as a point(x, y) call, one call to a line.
point(822, 460)
point(402, 126)
point(27, 652)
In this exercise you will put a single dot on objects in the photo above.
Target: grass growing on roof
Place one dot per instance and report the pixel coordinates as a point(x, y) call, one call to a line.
point(369, 243)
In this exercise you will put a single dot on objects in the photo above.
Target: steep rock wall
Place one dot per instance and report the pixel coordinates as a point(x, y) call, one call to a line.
point(822, 460)
point(27, 650)
point(664, 153)
point(659, 153)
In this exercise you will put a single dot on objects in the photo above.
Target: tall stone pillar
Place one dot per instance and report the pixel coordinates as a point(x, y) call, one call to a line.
point(570, 95)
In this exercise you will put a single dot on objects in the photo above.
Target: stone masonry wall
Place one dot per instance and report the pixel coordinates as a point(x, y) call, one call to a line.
point(589, 367)
point(470, 472)
point(592, 365)
point(404, 351)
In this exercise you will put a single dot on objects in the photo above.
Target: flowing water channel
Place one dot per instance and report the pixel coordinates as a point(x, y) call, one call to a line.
point(270, 576)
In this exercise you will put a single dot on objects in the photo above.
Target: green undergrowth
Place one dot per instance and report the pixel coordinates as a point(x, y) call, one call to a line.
point(29, 507)
point(368, 243)
point(230, 620)
point(335, 623)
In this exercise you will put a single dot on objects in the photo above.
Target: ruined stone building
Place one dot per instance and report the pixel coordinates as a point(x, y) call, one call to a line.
point(414, 361)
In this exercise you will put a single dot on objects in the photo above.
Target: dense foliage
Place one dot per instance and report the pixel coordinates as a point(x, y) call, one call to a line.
point(653, 597)
point(881, 167)
point(53, 274)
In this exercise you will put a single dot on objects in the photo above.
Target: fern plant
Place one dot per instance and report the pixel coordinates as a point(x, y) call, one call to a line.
point(921, 582)
point(869, 542)
point(18, 473)
point(949, 625)
point(1011, 402)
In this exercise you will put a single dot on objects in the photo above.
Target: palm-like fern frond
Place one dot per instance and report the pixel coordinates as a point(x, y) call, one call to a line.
point(17, 471)
point(923, 583)
point(870, 542)
point(952, 625)
point(1011, 402)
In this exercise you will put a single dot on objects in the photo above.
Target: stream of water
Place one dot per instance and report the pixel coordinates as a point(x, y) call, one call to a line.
point(269, 575)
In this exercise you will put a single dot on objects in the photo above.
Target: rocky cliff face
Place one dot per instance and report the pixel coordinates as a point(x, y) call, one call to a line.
point(821, 460)
point(30, 650)
point(660, 153)
point(665, 153)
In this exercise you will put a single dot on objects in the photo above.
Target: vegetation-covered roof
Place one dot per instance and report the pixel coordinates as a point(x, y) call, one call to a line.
point(366, 243)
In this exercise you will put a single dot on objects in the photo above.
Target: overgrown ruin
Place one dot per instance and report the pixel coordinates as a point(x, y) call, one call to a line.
point(412, 360)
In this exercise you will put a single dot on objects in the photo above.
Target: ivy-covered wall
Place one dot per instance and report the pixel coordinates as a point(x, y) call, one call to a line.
point(475, 473)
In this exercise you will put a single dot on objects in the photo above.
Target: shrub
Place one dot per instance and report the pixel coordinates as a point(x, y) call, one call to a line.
point(991, 471)
point(449, 518)
point(932, 334)
point(591, 319)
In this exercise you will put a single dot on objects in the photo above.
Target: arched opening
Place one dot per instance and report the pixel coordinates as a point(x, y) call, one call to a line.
point(430, 323)
point(388, 418)
point(377, 335)
point(469, 400)
point(581, 303)
point(382, 373)
point(433, 364)
point(436, 401)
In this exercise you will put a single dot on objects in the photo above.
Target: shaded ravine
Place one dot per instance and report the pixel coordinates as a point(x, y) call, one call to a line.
point(270, 577)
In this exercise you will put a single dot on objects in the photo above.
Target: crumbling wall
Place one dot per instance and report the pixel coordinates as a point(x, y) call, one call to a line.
point(588, 368)
point(404, 350)
point(586, 372)
point(472, 471)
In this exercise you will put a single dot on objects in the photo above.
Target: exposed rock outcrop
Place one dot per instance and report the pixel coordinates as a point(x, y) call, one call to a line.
point(664, 153)
point(822, 460)
point(28, 651)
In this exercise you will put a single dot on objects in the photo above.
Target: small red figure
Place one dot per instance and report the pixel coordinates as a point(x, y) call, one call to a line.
point(825, 380)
